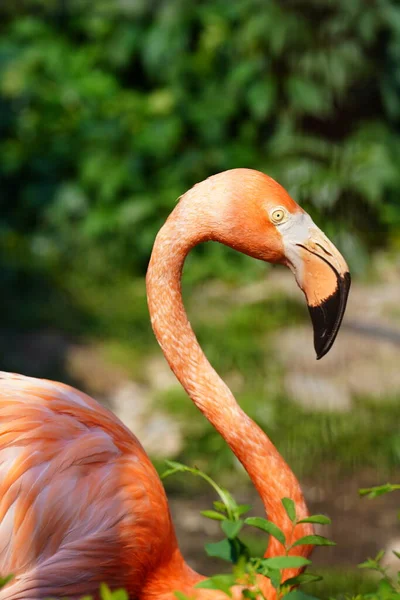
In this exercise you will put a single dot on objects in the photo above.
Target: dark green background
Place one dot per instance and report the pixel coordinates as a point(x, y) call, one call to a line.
point(110, 110)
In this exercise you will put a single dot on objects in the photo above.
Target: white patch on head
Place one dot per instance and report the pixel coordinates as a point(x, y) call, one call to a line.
point(296, 230)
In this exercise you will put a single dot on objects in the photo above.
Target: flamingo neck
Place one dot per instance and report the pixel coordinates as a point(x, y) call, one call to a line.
point(268, 471)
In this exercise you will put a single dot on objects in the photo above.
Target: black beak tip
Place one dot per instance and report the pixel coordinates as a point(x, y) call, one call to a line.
point(321, 353)
point(327, 316)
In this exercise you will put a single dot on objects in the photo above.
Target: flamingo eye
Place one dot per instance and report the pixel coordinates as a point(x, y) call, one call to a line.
point(279, 215)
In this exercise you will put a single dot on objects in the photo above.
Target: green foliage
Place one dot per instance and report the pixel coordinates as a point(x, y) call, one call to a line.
point(107, 594)
point(5, 580)
point(108, 115)
point(268, 527)
point(232, 549)
point(387, 588)
point(245, 567)
point(316, 540)
point(379, 490)
point(290, 508)
point(228, 508)
point(320, 519)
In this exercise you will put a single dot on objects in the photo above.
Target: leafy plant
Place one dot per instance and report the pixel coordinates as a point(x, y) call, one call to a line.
point(232, 549)
point(379, 490)
point(245, 568)
point(388, 588)
point(105, 592)
point(5, 580)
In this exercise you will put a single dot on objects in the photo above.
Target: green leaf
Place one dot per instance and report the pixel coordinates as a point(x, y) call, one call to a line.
point(373, 563)
point(222, 549)
point(219, 506)
point(231, 528)
point(374, 492)
point(250, 594)
point(174, 467)
point(290, 508)
point(5, 580)
point(181, 596)
point(386, 590)
point(368, 564)
point(173, 464)
point(261, 97)
point(275, 576)
point(213, 514)
point(320, 519)
point(315, 540)
point(396, 553)
point(218, 582)
point(107, 594)
point(308, 96)
point(227, 499)
point(302, 578)
point(230, 550)
point(268, 527)
point(379, 556)
point(120, 595)
point(262, 567)
point(285, 562)
point(242, 509)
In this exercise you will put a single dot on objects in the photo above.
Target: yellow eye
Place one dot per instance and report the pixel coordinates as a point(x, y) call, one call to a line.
point(279, 215)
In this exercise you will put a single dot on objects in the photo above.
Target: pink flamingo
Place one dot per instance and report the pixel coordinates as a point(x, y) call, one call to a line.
point(80, 502)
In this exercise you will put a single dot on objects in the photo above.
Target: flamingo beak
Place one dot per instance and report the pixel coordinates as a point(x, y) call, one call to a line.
point(323, 275)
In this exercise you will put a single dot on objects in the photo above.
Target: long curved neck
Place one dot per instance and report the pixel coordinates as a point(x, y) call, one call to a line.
point(267, 469)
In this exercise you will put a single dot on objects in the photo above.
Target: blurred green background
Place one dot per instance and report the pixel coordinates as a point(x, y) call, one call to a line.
point(111, 110)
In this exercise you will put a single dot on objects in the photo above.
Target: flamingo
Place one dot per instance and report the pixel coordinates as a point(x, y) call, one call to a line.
point(80, 501)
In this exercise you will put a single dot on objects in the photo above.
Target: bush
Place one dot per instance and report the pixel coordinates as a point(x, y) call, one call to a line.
point(108, 115)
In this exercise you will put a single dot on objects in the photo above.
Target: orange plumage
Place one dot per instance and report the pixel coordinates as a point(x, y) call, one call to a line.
point(80, 502)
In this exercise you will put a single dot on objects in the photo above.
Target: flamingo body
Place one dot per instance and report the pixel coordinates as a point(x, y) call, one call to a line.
point(91, 500)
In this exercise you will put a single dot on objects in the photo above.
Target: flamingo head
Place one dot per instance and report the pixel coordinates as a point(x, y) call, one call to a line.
point(256, 216)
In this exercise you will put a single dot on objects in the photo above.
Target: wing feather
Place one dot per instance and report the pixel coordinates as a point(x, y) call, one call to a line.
point(77, 493)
